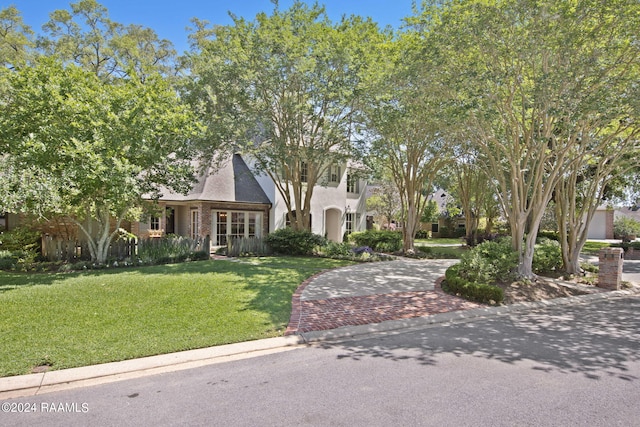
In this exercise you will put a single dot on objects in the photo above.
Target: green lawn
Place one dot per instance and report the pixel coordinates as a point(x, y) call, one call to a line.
point(593, 248)
point(79, 319)
point(439, 241)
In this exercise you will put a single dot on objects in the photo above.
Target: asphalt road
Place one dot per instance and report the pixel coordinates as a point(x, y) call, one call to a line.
point(564, 366)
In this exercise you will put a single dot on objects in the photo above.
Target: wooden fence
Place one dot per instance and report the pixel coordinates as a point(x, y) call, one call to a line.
point(74, 250)
point(247, 245)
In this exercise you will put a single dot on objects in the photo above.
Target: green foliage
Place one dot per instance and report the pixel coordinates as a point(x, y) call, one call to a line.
point(489, 262)
point(547, 256)
point(430, 212)
point(20, 239)
point(380, 241)
point(479, 292)
point(169, 249)
point(627, 245)
point(19, 248)
point(588, 267)
point(549, 235)
point(624, 226)
point(334, 249)
point(287, 241)
point(281, 78)
point(8, 260)
point(82, 147)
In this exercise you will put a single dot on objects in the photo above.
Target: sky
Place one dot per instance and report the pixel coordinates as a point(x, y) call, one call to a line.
point(169, 18)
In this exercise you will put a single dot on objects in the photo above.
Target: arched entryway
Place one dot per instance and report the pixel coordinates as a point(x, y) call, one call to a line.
point(333, 224)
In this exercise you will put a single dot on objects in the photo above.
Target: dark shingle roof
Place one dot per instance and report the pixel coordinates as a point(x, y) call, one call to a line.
point(232, 182)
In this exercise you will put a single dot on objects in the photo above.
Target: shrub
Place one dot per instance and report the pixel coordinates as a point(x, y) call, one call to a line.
point(287, 241)
point(591, 268)
point(549, 235)
point(8, 260)
point(168, 249)
point(334, 249)
point(17, 260)
point(624, 227)
point(489, 262)
point(547, 256)
point(479, 292)
point(380, 241)
point(20, 239)
point(422, 234)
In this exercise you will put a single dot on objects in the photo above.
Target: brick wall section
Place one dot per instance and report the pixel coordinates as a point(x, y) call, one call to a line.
point(632, 253)
point(610, 266)
point(609, 224)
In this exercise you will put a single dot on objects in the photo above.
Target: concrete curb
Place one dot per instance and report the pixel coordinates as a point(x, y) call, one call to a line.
point(46, 382)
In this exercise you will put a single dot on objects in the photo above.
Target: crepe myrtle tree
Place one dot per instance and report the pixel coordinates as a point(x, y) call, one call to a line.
point(532, 80)
point(404, 126)
point(88, 149)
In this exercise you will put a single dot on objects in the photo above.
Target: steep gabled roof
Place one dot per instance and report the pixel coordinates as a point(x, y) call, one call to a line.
point(232, 182)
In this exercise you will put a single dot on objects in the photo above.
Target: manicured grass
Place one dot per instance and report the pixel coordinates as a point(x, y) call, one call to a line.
point(593, 248)
point(79, 319)
point(437, 251)
point(439, 241)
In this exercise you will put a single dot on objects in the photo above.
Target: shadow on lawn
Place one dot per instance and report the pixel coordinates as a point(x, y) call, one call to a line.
point(597, 340)
point(272, 280)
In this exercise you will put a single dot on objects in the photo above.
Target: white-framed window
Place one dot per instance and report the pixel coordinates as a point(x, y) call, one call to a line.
point(349, 223)
point(195, 224)
point(353, 184)
point(334, 174)
point(304, 172)
point(227, 224)
point(154, 223)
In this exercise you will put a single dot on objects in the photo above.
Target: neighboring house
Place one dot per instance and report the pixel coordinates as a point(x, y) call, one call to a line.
point(235, 202)
point(601, 226)
point(443, 199)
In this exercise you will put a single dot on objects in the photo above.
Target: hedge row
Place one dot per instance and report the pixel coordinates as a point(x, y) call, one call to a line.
point(379, 241)
point(479, 292)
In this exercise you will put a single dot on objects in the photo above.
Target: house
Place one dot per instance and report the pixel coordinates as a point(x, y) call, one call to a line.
point(601, 226)
point(444, 223)
point(234, 201)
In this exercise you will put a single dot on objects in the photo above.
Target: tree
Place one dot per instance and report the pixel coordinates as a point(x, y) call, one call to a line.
point(89, 149)
point(16, 39)
point(385, 201)
point(529, 77)
point(87, 37)
point(583, 187)
point(285, 89)
point(475, 191)
point(404, 130)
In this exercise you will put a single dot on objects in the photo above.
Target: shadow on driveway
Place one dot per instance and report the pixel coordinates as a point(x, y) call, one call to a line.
point(597, 340)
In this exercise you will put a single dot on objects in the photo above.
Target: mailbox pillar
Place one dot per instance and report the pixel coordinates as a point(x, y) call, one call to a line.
point(610, 268)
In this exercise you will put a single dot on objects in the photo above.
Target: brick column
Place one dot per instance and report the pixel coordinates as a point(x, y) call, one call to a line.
point(610, 268)
point(205, 220)
point(609, 224)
